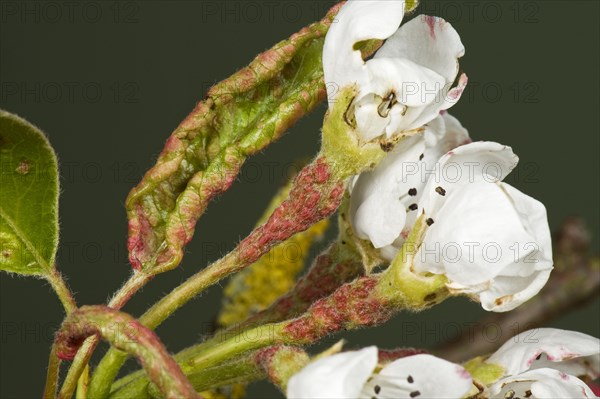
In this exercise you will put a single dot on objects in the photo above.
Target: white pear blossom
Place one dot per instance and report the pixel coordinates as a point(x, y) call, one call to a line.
point(380, 198)
point(352, 375)
point(409, 79)
point(546, 363)
point(570, 352)
point(541, 383)
point(490, 240)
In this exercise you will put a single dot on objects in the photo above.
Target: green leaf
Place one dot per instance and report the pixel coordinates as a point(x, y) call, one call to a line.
point(29, 198)
point(239, 116)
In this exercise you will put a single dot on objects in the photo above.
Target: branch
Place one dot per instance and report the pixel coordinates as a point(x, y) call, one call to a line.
point(127, 334)
point(330, 270)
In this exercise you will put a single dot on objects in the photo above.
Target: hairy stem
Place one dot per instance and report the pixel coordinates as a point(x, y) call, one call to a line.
point(354, 305)
point(81, 360)
point(62, 291)
point(316, 194)
point(52, 375)
point(256, 338)
point(68, 302)
point(127, 334)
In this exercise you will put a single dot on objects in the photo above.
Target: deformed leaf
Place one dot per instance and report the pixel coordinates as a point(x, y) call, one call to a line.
point(239, 116)
point(28, 198)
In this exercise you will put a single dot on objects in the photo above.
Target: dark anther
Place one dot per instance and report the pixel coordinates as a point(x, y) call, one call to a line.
point(421, 157)
point(413, 207)
point(377, 389)
point(386, 105)
point(410, 379)
point(386, 147)
point(414, 394)
point(412, 192)
point(429, 221)
point(349, 115)
point(440, 191)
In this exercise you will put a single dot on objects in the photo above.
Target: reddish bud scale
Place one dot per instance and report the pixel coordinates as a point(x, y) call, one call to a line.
point(313, 198)
point(324, 277)
point(280, 362)
point(264, 357)
point(351, 306)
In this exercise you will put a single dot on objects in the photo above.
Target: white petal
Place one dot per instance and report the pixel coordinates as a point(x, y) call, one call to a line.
point(369, 122)
point(454, 135)
point(339, 376)
point(356, 21)
point(535, 220)
point(428, 41)
point(419, 376)
point(443, 134)
point(482, 160)
point(472, 235)
point(564, 350)
point(379, 198)
point(433, 48)
point(507, 293)
point(541, 383)
point(488, 238)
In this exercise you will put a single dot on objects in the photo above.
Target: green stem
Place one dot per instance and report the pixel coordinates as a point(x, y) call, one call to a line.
point(127, 334)
point(81, 360)
point(111, 363)
point(214, 355)
point(318, 181)
point(52, 375)
point(77, 368)
point(83, 383)
point(68, 302)
point(62, 291)
point(245, 369)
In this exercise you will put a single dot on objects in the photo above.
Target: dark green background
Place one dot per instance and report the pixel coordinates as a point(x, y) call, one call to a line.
point(533, 69)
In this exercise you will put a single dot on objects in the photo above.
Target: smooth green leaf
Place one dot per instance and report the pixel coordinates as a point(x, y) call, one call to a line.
point(28, 198)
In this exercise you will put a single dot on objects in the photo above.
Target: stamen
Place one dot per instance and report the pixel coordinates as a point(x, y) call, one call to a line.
point(412, 192)
point(440, 191)
point(386, 105)
point(414, 394)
